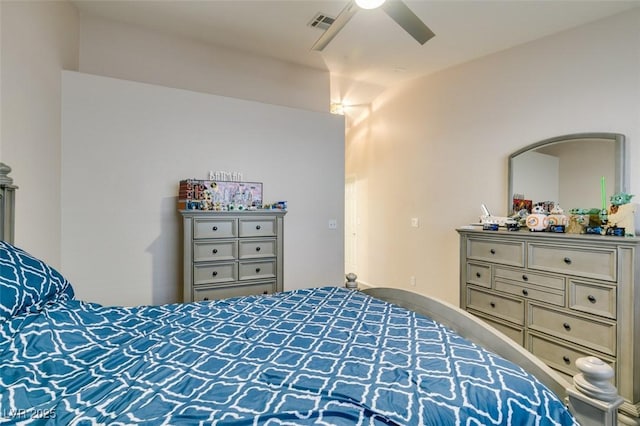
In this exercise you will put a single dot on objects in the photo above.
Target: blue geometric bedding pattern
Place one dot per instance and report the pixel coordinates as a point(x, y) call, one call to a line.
point(27, 283)
point(327, 356)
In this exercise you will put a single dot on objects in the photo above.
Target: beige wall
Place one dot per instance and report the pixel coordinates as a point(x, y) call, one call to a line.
point(39, 39)
point(123, 51)
point(437, 148)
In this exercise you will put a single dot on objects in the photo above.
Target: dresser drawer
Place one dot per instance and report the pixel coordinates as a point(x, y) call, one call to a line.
point(259, 227)
point(479, 274)
point(530, 278)
point(495, 305)
point(598, 299)
point(531, 292)
point(223, 292)
point(496, 251)
point(513, 332)
point(597, 335)
point(257, 270)
point(559, 356)
point(214, 250)
point(253, 249)
point(585, 262)
point(205, 273)
point(214, 228)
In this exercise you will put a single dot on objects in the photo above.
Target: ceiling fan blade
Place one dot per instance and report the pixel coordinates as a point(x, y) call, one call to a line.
point(400, 12)
point(341, 20)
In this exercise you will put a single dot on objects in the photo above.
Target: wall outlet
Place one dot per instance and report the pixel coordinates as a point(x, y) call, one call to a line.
point(415, 222)
point(333, 224)
point(412, 281)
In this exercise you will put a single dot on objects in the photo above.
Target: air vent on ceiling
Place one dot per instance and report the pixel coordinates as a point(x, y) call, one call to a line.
point(321, 21)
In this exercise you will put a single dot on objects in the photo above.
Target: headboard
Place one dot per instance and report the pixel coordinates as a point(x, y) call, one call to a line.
point(7, 204)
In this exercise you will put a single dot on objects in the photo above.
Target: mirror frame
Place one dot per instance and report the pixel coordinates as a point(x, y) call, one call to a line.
point(621, 172)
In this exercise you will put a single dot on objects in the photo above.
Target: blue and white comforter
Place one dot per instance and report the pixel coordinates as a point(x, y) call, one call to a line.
point(325, 356)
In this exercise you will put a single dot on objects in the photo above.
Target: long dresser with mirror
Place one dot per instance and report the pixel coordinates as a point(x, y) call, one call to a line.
point(562, 295)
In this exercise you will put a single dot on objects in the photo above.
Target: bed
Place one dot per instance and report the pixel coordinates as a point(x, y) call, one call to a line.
point(325, 355)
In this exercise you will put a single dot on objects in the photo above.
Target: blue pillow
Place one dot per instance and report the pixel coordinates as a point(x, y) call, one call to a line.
point(27, 284)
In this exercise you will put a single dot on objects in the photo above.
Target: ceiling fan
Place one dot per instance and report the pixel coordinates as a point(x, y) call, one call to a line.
point(396, 9)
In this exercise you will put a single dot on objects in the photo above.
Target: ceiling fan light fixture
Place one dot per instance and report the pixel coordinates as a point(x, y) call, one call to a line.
point(397, 11)
point(369, 4)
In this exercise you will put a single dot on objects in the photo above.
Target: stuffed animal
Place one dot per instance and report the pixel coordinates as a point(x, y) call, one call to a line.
point(557, 217)
point(577, 224)
point(620, 198)
point(537, 220)
point(622, 213)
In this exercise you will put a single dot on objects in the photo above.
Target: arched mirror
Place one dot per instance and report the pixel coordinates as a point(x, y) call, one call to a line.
point(574, 171)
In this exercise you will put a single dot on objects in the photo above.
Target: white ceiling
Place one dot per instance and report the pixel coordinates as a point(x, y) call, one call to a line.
point(372, 52)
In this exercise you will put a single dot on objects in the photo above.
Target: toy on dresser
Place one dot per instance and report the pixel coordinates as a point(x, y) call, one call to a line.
point(557, 219)
point(207, 201)
point(492, 223)
point(578, 221)
point(621, 215)
point(538, 220)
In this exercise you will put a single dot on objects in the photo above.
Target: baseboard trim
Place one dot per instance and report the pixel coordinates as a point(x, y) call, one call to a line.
point(362, 284)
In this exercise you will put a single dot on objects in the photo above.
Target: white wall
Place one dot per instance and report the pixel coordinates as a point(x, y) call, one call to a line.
point(438, 147)
point(126, 145)
point(1, 81)
point(124, 51)
point(39, 38)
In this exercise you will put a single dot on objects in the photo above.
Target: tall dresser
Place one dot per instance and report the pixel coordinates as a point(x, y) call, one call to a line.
point(561, 296)
point(228, 254)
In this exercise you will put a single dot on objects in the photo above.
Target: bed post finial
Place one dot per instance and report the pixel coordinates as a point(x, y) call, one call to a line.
point(4, 175)
point(351, 283)
point(7, 204)
point(594, 400)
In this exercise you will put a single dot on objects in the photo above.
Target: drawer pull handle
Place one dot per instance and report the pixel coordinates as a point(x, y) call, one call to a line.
point(257, 270)
point(567, 326)
point(566, 359)
point(525, 292)
point(214, 251)
point(591, 298)
point(492, 304)
point(492, 251)
point(478, 274)
point(214, 273)
point(206, 298)
point(257, 248)
point(567, 260)
point(258, 227)
point(525, 278)
point(215, 228)
point(265, 292)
